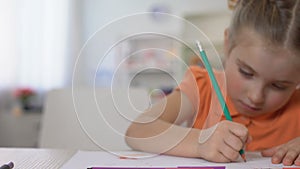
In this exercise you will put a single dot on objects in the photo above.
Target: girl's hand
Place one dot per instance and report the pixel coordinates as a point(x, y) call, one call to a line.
point(224, 143)
point(288, 153)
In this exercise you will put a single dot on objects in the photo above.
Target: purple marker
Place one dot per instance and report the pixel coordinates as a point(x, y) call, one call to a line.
point(10, 165)
point(125, 168)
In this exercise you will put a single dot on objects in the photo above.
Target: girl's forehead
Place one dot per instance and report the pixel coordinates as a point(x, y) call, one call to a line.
point(248, 38)
point(268, 60)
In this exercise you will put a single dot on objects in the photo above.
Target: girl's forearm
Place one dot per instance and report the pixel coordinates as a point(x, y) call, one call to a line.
point(163, 138)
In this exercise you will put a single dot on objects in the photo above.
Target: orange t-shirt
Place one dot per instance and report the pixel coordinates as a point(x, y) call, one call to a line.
point(269, 130)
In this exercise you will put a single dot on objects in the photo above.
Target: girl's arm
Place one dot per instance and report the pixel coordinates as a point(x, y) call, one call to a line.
point(158, 129)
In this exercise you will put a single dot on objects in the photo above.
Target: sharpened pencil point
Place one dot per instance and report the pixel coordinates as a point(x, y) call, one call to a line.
point(244, 157)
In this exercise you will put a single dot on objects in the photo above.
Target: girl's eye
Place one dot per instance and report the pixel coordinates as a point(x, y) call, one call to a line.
point(245, 73)
point(278, 87)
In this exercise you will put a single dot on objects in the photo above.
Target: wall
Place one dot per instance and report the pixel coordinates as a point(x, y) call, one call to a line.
point(99, 14)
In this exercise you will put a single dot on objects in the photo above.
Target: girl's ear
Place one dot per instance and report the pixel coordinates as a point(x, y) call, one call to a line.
point(298, 87)
point(226, 43)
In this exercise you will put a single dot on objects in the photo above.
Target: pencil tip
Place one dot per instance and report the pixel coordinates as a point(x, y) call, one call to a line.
point(244, 157)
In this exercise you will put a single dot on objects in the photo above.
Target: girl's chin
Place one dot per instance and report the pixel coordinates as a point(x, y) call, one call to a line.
point(250, 114)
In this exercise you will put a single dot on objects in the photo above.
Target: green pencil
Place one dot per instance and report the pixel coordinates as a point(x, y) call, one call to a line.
point(217, 88)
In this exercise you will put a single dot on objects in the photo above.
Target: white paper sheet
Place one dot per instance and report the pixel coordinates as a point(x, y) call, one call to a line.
point(85, 159)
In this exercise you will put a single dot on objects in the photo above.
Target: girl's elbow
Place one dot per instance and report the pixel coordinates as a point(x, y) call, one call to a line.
point(129, 137)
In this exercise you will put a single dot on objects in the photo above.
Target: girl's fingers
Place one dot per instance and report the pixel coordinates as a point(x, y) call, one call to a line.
point(290, 157)
point(222, 158)
point(279, 155)
point(239, 130)
point(249, 139)
point(297, 161)
point(283, 154)
point(234, 142)
point(269, 152)
point(229, 152)
point(216, 155)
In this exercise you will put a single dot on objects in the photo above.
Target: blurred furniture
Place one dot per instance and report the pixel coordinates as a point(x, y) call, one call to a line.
point(29, 158)
point(150, 61)
point(210, 31)
point(89, 119)
point(19, 130)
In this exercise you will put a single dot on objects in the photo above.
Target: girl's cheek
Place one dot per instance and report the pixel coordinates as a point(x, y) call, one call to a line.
point(234, 83)
point(277, 100)
point(235, 87)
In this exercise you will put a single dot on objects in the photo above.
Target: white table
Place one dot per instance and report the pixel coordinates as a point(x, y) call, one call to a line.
point(30, 158)
point(84, 159)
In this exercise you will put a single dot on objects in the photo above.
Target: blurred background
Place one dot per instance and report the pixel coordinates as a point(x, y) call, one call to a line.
point(40, 42)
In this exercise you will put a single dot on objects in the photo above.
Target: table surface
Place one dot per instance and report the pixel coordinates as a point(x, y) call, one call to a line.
point(31, 158)
point(38, 158)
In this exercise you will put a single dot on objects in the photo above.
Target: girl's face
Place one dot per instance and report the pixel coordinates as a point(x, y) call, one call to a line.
point(260, 77)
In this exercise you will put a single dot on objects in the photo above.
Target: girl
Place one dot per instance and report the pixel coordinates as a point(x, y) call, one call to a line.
point(262, 69)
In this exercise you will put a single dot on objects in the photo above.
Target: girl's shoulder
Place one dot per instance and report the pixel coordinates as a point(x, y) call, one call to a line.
point(295, 99)
point(200, 72)
point(294, 102)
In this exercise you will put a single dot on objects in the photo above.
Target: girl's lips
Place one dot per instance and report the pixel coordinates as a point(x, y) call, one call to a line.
point(248, 107)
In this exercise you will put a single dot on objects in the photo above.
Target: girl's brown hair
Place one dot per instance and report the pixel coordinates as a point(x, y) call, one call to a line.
point(277, 21)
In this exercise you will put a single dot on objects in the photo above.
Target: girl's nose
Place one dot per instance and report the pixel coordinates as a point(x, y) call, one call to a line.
point(256, 95)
